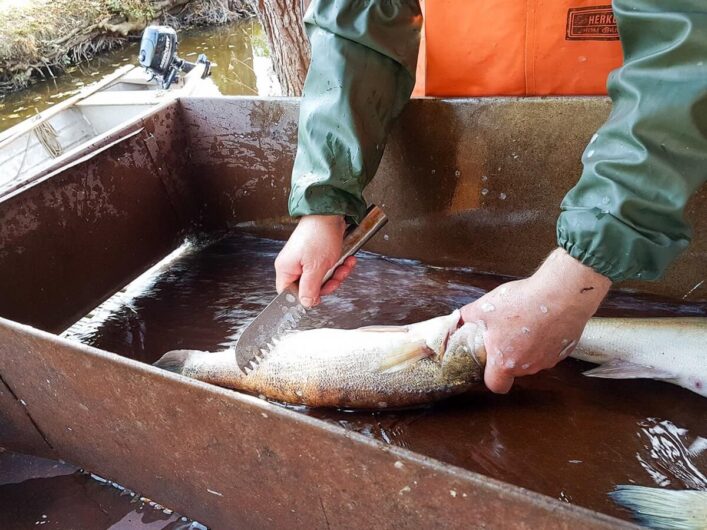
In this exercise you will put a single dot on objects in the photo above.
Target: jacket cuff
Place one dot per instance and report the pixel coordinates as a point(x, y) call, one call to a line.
point(612, 247)
point(325, 200)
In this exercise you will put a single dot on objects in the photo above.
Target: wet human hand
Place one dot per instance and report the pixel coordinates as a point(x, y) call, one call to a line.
point(313, 248)
point(534, 323)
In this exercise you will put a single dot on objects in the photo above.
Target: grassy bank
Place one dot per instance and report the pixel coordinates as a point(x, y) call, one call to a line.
point(39, 38)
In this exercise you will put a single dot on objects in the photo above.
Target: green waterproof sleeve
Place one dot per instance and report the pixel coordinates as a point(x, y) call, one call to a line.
point(364, 55)
point(624, 218)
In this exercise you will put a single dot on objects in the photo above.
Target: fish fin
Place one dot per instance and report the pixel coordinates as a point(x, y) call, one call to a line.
point(384, 329)
point(665, 509)
point(173, 361)
point(404, 356)
point(618, 369)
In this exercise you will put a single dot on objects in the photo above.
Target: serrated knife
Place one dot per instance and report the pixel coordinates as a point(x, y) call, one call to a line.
point(285, 311)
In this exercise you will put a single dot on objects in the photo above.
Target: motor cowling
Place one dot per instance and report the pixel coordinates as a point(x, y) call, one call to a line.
point(158, 49)
point(158, 54)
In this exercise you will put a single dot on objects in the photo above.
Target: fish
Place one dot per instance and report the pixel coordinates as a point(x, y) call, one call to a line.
point(664, 509)
point(378, 367)
point(670, 349)
point(375, 367)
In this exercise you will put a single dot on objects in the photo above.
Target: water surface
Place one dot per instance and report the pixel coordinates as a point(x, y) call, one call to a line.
point(559, 433)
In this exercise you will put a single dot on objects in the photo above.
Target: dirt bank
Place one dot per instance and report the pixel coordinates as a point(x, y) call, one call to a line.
point(39, 38)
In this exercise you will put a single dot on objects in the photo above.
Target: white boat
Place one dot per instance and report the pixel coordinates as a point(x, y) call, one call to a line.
point(44, 142)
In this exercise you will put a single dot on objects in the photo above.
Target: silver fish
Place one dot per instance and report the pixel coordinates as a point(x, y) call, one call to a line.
point(666, 349)
point(367, 368)
point(402, 366)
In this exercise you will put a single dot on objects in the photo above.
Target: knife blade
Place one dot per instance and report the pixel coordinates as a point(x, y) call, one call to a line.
point(285, 311)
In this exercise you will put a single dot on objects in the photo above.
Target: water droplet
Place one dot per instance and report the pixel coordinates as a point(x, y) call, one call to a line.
point(525, 330)
point(510, 363)
point(484, 178)
point(453, 493)
point(487, 307)
point(525, 366)
point(502, 196)
point(484, 191)
point(386, 237)
point(457, 173)
point(398, 464)
point(543, 308)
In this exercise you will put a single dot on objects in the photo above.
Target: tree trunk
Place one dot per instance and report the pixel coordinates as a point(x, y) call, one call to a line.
point(289, 47)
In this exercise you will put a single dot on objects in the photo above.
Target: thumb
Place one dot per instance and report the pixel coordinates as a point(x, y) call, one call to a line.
point(496, 378)
point(310, 284)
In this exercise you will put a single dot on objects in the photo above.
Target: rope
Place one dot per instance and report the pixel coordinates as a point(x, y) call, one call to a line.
point(48, 137)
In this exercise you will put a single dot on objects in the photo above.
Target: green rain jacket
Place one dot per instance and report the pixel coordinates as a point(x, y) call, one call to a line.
point(624, 218)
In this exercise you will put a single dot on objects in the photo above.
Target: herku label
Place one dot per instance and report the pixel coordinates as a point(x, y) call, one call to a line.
point(591, 23)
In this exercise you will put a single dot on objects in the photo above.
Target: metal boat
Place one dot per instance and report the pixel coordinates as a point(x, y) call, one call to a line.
point(74, 236)
point(48, 140)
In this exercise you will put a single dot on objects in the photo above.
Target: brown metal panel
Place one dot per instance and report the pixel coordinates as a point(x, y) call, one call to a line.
point(234, 461)
point(72, 239)
point(17, 429)
point(467, 182)
point(241, 156)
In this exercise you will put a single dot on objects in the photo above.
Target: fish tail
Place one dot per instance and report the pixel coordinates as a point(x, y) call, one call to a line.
point(174, 361)
point(664, 509)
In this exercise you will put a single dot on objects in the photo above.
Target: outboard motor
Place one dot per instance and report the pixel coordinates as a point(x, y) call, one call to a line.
point(158, 54)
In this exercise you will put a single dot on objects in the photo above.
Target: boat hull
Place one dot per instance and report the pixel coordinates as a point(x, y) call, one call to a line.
point(73, 237)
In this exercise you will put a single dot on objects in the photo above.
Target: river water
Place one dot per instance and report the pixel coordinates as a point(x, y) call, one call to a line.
point(239, 53)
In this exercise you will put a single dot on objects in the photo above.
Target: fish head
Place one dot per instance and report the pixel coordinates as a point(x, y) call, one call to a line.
point(465, 353)
point(435, 332)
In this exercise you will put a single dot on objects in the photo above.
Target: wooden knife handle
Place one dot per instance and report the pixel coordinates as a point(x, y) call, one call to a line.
point(357, 236)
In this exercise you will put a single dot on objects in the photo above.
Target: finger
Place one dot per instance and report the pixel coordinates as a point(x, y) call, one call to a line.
point(472, 312)
point(329, 287)
point(286, 274)
point(497, 381)
point(342, 272)
point(284, 279)
point(350, 262)
point(310, 285)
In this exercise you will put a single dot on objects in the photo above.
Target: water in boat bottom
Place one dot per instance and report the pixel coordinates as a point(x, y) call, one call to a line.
point(558, 433)
point(40, 493)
